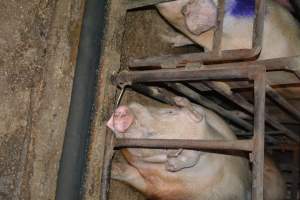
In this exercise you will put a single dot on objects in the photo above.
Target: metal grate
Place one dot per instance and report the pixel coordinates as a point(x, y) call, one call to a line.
point(203, 67)
point(255, 145)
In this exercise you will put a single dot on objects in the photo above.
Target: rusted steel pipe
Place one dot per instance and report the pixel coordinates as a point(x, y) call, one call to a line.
point(217, 41)
point(106, 165)
point(243, 145)
point(242, 102)
point(258, 26)
point(282, 102)
point(259, 131)
point(291, 63)
point(157, 93)
point(207, 57)
point(181, 75)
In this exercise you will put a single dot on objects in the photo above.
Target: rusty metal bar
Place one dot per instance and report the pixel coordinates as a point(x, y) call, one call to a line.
point(207, 57)
point(243, 145)
point(241, 101)
point(258, 23)
point(282, 102)
point(157, 93)
point(106, 165)
point(295, 173)
point(134, 4)
point(291, 63)
point(180, 75)
point(198, 98)
point(259, 129)
point(217, 41)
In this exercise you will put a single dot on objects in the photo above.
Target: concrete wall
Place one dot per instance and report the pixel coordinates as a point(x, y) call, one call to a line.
point(39, 41)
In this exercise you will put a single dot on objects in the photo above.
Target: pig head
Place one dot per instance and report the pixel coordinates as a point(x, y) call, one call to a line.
point(196, 19)
point(178, 174)
point(135, 121)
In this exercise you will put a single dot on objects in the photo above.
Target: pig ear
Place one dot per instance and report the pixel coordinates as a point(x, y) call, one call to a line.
point(194, 114)
point(200, 15)
point(121, 120)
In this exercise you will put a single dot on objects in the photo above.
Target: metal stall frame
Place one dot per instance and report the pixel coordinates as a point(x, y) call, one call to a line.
point(255, 145)
point(203, 66)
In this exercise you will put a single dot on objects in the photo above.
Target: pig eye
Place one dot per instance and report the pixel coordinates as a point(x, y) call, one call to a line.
point(169, 112)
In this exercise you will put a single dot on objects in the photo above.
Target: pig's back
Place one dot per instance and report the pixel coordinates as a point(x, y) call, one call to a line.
point(282, 33)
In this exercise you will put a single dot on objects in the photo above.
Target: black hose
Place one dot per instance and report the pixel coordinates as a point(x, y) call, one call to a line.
point(72, 163)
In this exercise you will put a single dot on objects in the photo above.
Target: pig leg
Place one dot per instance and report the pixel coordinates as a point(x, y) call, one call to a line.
point(185, 159)
point(126, 173)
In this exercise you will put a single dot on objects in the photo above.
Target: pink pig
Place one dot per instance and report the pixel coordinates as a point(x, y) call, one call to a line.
point(184, 174)
point(196, 19)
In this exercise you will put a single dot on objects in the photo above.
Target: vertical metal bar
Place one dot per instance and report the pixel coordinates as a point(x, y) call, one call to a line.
point(258, 26)
point(295, 173)
point(259, 126)
point(219, 29)
point(106, 166)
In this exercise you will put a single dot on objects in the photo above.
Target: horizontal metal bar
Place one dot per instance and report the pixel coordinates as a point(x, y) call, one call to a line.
point(182, 75)
point(134, 4)
point(157, 93)
point(243, 145)
point(285, 63)
point(183, 59)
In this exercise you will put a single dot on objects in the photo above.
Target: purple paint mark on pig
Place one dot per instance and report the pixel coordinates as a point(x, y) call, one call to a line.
point(243, 8)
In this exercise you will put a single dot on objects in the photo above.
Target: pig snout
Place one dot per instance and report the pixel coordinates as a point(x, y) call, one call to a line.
point(121, 119)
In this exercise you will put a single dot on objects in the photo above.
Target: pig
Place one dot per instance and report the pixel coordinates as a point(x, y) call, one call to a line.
point(184, 174)
point(197, 18)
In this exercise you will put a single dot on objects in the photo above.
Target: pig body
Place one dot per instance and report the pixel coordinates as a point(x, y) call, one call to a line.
point(281, 36)
point(195, 175)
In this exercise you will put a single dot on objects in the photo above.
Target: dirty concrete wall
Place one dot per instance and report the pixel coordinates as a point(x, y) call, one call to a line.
point(38, 40)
